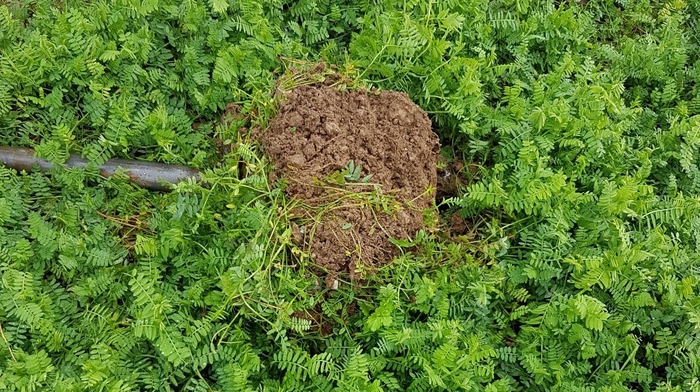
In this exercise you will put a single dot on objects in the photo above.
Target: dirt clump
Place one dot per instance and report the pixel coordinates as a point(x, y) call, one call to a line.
point(324, 143)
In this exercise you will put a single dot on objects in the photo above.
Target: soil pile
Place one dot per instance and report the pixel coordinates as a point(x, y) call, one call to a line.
point(345, 218)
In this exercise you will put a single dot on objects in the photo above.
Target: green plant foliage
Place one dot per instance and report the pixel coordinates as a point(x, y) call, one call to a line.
point(583, 117)
point(581, 271)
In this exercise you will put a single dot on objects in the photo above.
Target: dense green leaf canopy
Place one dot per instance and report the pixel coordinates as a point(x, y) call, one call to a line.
point(579, 121)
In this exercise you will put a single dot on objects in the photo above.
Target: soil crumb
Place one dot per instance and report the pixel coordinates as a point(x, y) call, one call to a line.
point(345, 219)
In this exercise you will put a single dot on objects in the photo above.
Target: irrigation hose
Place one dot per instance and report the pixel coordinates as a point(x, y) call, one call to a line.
point(149, 175)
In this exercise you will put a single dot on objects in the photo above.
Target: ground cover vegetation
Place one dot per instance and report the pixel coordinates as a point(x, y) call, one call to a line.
point(578, 123)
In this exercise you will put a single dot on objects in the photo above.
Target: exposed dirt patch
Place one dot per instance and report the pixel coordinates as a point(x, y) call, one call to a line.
point(346, 219)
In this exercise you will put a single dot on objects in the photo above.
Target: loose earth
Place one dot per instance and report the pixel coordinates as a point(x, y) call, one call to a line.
point(345, 219)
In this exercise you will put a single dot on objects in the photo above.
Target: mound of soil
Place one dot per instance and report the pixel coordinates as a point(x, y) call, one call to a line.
point(346, 222)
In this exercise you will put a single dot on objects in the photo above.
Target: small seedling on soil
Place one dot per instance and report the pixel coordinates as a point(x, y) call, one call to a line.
point(350, 173)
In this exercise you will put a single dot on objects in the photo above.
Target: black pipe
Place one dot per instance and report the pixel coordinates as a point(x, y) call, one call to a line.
point(149, 175)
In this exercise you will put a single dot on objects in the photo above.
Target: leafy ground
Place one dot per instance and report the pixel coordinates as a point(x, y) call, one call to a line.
point(580, 122)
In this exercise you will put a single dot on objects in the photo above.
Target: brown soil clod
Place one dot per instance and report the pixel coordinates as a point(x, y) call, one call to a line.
point(345, 220)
